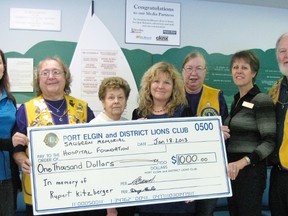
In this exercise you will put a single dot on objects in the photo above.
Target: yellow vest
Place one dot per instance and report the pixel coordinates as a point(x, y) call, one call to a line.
point(283, 152)
point(38, 115)
point(209, 102)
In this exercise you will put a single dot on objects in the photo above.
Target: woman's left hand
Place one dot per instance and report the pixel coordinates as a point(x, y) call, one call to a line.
point(233, 170)
point(226, 132)
point(235, 167)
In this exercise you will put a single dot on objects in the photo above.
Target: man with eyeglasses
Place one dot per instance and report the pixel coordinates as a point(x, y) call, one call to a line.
point(204, 101)
point(278, 194)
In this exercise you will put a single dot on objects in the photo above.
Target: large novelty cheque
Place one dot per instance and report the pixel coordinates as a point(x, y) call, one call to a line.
point(95, 166)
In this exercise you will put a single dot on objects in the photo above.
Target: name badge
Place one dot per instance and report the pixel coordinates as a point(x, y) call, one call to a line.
point(248, 105)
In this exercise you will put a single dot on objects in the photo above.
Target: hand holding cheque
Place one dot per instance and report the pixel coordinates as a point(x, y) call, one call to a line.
point(88, 166)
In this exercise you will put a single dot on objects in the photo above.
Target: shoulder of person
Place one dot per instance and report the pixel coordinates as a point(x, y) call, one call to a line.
point(136, 114)
point(262, 99)
point(182, 110)
point(211, 88)
point(13, 100)
point(75, 99)
point(275, 86)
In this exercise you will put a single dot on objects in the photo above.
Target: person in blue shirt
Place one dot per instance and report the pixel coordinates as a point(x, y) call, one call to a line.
point(8, 168)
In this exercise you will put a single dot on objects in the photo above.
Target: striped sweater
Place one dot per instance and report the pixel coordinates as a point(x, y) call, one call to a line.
point(252, 125)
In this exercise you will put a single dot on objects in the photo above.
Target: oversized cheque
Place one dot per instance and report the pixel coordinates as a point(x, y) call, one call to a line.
point(89, 166)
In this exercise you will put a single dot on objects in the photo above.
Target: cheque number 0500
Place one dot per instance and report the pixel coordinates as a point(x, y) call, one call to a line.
point(203, 126)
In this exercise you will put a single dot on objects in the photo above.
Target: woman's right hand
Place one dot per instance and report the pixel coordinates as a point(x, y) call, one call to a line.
point(20, 139)
point(26, 166)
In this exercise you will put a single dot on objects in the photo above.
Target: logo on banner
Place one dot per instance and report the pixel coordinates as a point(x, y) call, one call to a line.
point(162, 38)
point(51, 140)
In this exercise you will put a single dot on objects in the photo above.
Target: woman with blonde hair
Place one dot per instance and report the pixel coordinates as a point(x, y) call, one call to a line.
point(162, 95)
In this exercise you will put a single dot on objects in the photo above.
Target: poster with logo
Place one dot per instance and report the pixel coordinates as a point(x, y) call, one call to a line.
point(152, 22)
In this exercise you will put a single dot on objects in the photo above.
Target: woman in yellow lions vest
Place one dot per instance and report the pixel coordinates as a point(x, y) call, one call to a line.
point(203, 101)
point(52, 106)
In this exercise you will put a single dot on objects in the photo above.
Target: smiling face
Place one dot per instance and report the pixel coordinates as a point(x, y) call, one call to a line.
point(51, 84)
point(161, 87)
point(242, 74)
point(194, 72)
point(282, 55)
point(114, 103)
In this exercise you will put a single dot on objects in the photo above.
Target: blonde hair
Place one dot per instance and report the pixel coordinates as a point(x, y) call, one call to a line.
point(177, 98)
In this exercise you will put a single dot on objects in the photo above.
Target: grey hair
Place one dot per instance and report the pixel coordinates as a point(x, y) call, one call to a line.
point(279, 40)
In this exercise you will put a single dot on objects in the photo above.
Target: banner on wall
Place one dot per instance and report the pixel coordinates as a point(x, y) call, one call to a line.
point(152, 22)
point(35, 19)
point(96, 57)
point(21, 74)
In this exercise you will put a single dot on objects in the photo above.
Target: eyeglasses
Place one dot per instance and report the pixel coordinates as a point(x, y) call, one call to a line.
point(197, 69)
point(46, 73)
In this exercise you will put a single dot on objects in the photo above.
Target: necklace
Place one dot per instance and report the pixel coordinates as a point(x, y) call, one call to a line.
point(283, 104)
point(60, 117)
point(57, 109)
point(158, 111)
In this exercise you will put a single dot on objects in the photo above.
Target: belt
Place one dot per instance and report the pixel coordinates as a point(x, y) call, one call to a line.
point(4, 181)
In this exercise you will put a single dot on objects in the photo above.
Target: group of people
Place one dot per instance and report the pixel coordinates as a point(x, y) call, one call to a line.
point(255, 129)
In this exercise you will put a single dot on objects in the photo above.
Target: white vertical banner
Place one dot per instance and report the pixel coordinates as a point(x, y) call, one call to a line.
point(96, 57)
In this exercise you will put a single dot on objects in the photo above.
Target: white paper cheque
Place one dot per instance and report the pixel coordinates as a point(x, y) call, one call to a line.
point(96, 166)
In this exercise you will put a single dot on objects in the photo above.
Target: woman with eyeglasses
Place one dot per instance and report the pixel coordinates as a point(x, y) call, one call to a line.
point(204, 101)
point(52, 106)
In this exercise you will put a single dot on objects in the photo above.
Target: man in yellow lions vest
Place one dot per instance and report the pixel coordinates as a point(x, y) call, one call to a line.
point(278, 194)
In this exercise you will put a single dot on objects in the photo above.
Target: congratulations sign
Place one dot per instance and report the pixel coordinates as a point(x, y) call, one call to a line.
point(153, 22)
point(96, 166)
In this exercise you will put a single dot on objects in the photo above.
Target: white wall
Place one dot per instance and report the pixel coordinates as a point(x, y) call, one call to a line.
point(216, 27)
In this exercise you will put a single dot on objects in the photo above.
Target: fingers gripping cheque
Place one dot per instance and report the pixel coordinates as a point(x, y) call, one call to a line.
point(96, 166)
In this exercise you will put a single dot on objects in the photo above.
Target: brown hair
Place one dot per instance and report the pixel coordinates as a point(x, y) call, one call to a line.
point(65, 69)
point(4, 81)
point(113, 83)
point(249, 57)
